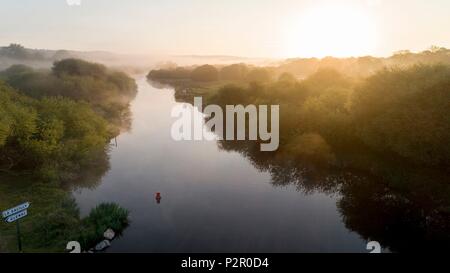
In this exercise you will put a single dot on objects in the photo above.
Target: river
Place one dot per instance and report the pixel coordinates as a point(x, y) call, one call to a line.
point(212, 200)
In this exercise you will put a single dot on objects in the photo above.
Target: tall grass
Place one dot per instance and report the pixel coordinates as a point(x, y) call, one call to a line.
point(104, 216)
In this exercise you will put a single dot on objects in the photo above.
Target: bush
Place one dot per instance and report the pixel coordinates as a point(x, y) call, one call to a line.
point(77, 67)
point(104, 216)
point(406, 111)
point(260, 75)
point(47, 135)
point(234, 72)
point(402, 112)
point(205, 73)
point(107, 92)
point(170, 74)
point(57, 221)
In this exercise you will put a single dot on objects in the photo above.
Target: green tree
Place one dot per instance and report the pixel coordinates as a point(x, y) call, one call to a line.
point(205, 73)
point(234, 72)
point(261, 75)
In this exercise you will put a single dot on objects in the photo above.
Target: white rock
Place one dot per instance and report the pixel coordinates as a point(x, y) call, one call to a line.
point(109, 234)
point(102, 245)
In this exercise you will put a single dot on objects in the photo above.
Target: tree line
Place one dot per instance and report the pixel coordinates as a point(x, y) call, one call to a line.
point(301, 68)
point(52, 123)
point(210, 73)
point(396, 111)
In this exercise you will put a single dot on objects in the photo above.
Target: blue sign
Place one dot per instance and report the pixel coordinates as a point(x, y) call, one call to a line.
point(13, 215)
point(17, 216)
point(15, 210)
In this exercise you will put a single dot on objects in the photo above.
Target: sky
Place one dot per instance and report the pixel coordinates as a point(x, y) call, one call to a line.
point(250, 28)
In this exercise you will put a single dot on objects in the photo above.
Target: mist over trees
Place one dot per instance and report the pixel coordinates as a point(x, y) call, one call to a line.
point(210, 73)
point(396, 105)
point(205, 73)
point(44, 58)
point(399, 111)
point(301, 68)
point(19, 52)
point(108, 92)
point(407, 112)
point(234, 72)
point(52, 122)
point(380, 143)
point(373, 115)
point(366, 65)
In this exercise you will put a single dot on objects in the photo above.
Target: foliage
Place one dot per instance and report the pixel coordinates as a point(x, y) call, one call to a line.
point(364, 66)
point(54, 217)
point(104, 216)
point(234, 72)
point(259, 75)
point(48, 135)
point(205, 73)
point(176, 73)
point(54, 127)
point(396, 111)
point(209, 73)
point(381, 143)
point(17, 51)
point(108, 92)
point(407, 112)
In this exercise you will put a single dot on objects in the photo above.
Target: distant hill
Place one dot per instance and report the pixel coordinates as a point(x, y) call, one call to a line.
point(43, 58)
point(15, 53)
point(299, 67)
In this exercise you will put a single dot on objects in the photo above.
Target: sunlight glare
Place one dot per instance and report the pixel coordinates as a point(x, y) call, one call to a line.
point(337, 31)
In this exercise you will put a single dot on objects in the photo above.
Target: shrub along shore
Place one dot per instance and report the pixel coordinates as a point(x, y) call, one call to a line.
point(55, 129)
point(395, 111)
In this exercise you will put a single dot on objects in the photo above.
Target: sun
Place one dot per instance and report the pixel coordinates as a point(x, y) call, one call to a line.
point(337, 31)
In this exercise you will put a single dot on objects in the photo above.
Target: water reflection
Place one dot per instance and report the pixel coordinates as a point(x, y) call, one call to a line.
point(215, 201)
point(404, 207)
point(399, 220)
point(91, 172)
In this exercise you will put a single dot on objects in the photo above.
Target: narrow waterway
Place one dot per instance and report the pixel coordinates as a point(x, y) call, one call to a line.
point(212, 200)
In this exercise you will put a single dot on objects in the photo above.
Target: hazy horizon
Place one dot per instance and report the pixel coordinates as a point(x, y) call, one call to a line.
point(254, 29)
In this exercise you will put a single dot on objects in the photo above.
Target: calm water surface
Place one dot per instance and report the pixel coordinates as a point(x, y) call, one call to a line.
point(212, 200)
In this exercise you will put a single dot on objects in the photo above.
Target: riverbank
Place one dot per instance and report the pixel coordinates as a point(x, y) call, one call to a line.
point(203, 190)
point(186, 89)
point(55, 130)
point(53, 218)
point(335, 140)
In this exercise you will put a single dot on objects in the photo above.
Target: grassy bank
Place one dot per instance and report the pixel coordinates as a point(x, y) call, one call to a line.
point(55, 129)
point(53, 217)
